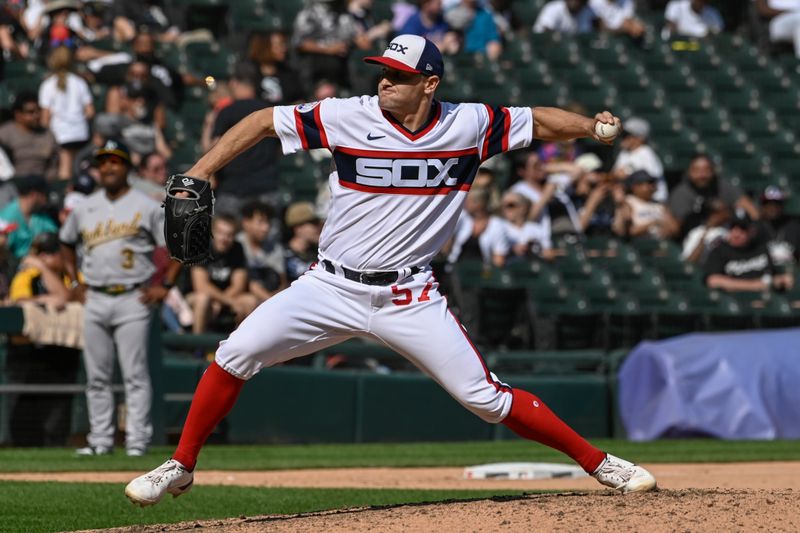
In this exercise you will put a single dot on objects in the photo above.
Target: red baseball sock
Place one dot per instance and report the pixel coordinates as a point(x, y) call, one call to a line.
point(532, 419)
point(213, 399)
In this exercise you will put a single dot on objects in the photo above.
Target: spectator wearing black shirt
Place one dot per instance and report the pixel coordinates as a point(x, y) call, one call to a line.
point(252, 174)
point(221, 285)
point(742, 263)
point(688, 201)
point(279, 83)
point(165, 82)
point(301, 249)
point(782, 232)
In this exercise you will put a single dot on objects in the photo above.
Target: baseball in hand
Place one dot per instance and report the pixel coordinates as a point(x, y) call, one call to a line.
point(606, 132)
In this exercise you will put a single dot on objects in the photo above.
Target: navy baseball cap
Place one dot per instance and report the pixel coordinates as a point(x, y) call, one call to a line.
point(411, 53)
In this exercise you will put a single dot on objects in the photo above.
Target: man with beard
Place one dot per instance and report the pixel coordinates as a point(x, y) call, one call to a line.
point(689, 199)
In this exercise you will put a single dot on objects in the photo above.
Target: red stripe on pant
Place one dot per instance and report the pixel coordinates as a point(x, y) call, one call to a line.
point(530, 418)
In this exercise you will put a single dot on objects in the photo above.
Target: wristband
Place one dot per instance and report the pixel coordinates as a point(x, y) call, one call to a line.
point(167, 284)
point(766, 279)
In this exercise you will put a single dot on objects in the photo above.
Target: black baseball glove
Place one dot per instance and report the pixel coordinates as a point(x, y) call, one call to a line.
point(187, 221)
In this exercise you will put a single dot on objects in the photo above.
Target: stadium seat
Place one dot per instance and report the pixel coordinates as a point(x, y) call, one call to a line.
point(528, 11)
point(356, 353)
point(547, 363)
point(561, 320)
point(210, 59)
point(674, 316)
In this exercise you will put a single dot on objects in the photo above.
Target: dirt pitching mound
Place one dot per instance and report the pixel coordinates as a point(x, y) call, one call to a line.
point(663, 511)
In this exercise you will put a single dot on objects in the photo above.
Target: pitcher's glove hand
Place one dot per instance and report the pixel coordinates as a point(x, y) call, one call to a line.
point(187, 220)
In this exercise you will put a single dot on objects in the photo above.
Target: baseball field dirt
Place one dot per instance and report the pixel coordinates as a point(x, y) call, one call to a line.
point(695, 497)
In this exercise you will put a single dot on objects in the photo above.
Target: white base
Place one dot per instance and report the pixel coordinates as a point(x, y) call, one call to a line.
point(524, 471)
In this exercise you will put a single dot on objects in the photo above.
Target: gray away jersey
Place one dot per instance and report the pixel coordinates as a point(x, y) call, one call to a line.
point(116, 238)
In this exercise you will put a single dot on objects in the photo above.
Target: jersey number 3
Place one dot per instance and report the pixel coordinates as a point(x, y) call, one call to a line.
point(407, 297)
point(127, 258)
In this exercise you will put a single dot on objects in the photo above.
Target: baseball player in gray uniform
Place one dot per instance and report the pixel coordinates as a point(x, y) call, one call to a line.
point(115, 231)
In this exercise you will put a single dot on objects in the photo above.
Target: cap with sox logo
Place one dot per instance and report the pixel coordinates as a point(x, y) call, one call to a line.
point(411, 53)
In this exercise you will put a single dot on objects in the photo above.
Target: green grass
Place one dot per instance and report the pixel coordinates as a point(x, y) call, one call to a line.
point(406, 454)
point(39, 507)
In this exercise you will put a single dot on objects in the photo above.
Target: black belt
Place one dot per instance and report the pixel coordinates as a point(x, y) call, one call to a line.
point(115, 290)
point(368, 278)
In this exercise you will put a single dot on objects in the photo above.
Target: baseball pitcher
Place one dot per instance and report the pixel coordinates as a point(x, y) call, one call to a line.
point(404, 162)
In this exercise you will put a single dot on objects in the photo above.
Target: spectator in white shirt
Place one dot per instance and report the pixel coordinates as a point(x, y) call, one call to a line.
point(526, 238)
point(784, 20)
point(636, 154)
point(564, 16)
point(479, 234)
point(641, 215)
point(691, 18)
point(704, 238)
point(67, 108)
point(618, 16)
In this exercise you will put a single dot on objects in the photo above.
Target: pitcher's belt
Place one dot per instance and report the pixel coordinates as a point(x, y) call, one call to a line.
point(368, 278)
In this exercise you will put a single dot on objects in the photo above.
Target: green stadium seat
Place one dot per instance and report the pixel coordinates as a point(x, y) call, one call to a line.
point(648, 282)
point(210, 59)
point(603, 97)
point(517, 53)
point(631, 79)
point(356, 353)
point(673, 317)
point(561, 320)
point(692, 100)
point(547, 363)
point(528, 11)
point(654, 250)
point(787, 104)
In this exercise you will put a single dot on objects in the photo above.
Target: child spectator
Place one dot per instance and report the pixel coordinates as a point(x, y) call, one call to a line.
point(304, 227)
point(264, 254)
point(526, 238)
point(641, 215)
point(637, 154)
point(67, 108)
point(479, 234)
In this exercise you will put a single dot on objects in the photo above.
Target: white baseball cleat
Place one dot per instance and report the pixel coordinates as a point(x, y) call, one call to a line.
point(149, 488)
point(624, 476)
point(93, 451)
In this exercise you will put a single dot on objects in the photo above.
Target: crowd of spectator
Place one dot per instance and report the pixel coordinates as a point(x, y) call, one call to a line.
point(555, 193)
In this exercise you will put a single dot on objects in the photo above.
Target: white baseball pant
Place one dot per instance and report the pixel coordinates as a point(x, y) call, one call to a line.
point(322, 309)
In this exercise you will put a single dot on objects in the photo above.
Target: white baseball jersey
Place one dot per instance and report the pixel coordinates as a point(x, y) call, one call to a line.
point(396, 194)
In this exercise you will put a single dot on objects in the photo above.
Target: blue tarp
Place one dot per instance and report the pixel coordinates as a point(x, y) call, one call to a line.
point(725, 385)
